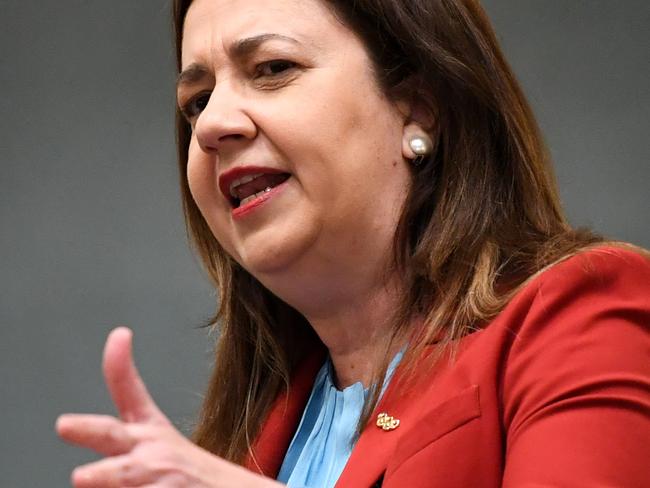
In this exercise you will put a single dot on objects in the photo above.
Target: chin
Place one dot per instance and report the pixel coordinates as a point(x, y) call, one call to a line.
point(269, 253)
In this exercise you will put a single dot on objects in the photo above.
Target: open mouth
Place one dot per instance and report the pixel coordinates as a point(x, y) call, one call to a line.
point(250, 187)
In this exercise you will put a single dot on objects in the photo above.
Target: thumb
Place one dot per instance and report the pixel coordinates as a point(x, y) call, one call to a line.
point(125, 385)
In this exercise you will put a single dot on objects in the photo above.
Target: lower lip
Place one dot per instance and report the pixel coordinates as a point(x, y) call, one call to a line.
point(250, 207)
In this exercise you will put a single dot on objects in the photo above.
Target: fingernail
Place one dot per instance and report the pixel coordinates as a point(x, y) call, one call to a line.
point(61, 422)
point(80, 475)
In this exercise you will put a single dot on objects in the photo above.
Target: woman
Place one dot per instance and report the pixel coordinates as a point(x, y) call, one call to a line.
point(401, 300)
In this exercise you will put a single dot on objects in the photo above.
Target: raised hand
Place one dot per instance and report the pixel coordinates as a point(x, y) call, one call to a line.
point(142, 447)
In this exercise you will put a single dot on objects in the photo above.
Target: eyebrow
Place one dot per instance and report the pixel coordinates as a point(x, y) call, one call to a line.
point(245, 47)
point(196, 72)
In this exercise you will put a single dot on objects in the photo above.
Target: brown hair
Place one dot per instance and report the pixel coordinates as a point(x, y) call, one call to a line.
point(482, 217)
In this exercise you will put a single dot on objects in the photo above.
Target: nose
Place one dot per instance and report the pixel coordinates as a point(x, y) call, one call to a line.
point(223, 121)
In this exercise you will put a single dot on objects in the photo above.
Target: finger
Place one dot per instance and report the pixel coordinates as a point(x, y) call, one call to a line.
point(103, 434)
point(113, 472)
point(125, 385)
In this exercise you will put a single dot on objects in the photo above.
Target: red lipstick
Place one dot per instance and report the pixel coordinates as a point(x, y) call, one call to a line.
point(248, 187)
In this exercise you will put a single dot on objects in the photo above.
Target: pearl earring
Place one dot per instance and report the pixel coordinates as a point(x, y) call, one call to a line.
point(422, 146)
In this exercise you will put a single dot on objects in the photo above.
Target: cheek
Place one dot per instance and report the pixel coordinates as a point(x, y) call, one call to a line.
point(199, 176)
point(336, 139)
point(358, 150)
point(202, 181)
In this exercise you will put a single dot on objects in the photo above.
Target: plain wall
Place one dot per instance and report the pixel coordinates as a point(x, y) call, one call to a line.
point(92, 230)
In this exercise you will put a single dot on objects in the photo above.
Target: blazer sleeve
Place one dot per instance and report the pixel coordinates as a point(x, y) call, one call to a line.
point(576, 385)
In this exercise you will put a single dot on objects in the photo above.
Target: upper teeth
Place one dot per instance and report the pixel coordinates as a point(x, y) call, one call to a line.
point(241, 181)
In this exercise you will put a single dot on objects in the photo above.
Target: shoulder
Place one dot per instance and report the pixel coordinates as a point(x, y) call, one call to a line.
point(576, 371)
point(582, 326)
point(565, 297)
point(604, 291)
point(607, 268)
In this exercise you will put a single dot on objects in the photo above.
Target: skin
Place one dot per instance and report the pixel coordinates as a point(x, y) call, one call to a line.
point(322, 244)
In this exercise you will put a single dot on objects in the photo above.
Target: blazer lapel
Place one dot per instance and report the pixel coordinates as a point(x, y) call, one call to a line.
point(447, 403)
point(273, 441)
point(376, 446)
point(372, 451)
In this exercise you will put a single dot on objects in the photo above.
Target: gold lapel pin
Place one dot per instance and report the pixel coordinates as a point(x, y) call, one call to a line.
point(386, 422)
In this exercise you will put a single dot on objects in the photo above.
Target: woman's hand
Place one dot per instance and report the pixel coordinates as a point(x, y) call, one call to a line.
point(142, 448)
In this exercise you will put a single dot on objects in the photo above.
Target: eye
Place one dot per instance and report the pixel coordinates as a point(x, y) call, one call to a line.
point(273, 68)
point(195, 105)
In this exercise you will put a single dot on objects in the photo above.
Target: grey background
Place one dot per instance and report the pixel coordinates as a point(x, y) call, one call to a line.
point(92, 233)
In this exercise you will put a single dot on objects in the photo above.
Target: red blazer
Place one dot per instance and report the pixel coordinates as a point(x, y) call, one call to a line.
point(555, 391)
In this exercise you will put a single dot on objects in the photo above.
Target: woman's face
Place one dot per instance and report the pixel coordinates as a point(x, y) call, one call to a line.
point(296, 155)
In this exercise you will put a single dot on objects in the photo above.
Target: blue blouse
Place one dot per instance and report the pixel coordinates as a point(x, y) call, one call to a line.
point(325, 437)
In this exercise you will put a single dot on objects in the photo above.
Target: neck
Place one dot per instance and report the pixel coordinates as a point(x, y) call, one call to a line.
point(356, 334)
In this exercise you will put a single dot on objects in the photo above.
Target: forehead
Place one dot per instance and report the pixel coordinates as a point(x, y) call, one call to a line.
point(210, 25)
